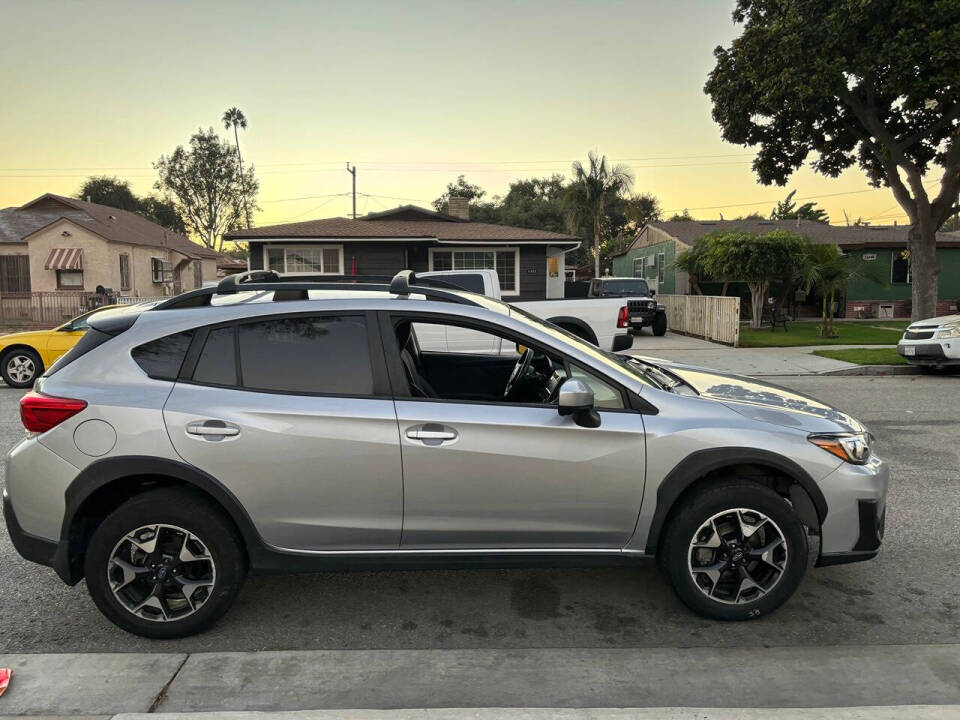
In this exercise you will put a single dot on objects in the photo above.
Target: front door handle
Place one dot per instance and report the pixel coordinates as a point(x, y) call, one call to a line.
point(212, 429)
point(432, 434)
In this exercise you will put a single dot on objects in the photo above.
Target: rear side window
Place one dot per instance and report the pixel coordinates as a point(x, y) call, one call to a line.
point(217, 364)
point(325, 355)
point(91, 339)
point(161, 359)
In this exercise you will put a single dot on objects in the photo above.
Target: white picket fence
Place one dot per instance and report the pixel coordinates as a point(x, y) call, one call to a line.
point(711, 317)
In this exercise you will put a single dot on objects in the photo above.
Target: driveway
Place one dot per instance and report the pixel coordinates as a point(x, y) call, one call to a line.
point(743, 361)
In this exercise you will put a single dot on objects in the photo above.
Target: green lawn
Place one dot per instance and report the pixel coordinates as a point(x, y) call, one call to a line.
point(884, 332)
point(864, 356)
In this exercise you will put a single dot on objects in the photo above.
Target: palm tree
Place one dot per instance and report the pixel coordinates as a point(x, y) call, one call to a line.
point(588, 193)
point(234, 118)
point(831, 270)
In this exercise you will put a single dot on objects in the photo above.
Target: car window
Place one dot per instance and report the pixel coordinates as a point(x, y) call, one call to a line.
point(434, 337)
point(162, 358)
point(605, 395)
point(325, 355)
point(217, 364)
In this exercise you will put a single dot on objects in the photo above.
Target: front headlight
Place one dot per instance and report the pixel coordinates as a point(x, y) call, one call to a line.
point(950, 331)
point(851, 447)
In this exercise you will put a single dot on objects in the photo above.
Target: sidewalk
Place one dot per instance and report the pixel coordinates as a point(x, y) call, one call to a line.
point(585, 678)
point(742, 361)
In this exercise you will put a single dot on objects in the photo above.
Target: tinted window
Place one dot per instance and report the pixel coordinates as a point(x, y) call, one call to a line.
point(217, 363)
point(307, 355)
point(472, 282)
point(162, 358)
point(617, 287)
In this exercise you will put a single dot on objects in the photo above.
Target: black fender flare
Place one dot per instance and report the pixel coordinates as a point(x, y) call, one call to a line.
point(697, 464)
point(102, 472)
point(588, 334)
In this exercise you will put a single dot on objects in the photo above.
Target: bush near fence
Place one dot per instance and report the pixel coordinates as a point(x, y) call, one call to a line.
point(711, 317)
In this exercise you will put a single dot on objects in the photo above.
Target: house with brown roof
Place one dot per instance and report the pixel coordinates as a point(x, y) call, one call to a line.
point(882, 247)
point(56, 243)
point(530, 262)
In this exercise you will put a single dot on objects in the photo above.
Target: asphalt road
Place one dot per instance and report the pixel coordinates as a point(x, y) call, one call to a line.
point(907, 595)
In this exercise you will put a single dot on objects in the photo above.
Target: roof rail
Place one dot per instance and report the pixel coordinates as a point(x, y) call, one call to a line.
point(295, 287)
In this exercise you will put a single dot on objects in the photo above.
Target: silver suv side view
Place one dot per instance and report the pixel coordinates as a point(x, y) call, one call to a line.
point(288, 424)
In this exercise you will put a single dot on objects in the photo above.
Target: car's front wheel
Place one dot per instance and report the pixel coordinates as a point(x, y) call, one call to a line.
point(735, 551)
point(20, 367)
point(165, 564)
point(660, 325)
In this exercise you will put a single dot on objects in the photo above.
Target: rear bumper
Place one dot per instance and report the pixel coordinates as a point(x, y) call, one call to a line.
point(32, 548)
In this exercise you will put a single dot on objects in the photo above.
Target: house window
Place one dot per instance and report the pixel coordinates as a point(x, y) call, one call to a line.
point(197, 273)
point(14, 273)
point(70, 279)
point(639, 267)
point(124, 272)
point(305, 259)
point(506, 262)
point(161, 270)
point(900, 268)
point(661, 261)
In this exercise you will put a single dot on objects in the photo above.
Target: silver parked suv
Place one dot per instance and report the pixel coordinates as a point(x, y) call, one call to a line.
point(287, 424)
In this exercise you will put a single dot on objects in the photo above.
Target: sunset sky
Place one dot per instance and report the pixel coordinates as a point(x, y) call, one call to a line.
point(414, 93)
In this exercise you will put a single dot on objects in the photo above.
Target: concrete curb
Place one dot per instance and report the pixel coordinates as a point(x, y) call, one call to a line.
point(877, 370)
point(585, 678)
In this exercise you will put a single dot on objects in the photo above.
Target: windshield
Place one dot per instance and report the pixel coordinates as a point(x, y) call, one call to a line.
point(627, 286)
point(623, 363)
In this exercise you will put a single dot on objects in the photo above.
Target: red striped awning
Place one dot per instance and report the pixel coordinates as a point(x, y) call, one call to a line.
point(64, 259)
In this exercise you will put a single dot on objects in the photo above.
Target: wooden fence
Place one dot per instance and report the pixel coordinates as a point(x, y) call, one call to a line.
point(707, 316)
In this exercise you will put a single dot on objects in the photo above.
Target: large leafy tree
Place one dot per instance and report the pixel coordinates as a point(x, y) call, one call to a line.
point(757, 260)
point(206, 185)
point(787, 209)
point(589, 192)
point(853, 82)
point(116, 193)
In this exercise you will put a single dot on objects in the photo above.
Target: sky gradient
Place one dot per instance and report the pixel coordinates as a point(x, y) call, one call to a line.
point(414, 93)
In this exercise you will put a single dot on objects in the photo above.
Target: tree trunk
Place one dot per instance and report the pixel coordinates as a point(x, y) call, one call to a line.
point(695, 284)
point(726, 284)
point(757, 300)
point(823, 318)
point(596, 244)
point(924, 269)
point(243, 180)
point(830, 315)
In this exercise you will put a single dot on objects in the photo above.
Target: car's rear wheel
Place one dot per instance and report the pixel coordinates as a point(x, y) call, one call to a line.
point(735, 551)
point(20, 367)
point(165, 564)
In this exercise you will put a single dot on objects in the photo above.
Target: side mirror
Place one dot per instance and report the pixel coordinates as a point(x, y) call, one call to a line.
point(653, 293)
point(622, 342)
point(576, 399)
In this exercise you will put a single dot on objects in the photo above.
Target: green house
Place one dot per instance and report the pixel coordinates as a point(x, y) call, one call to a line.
point(653, 251)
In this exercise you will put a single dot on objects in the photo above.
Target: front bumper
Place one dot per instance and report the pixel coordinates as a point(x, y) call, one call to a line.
point(930, 351)
point(857, 510)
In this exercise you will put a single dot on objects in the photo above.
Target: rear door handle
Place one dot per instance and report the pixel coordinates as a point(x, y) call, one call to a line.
point(212, 429)
point(432, 434)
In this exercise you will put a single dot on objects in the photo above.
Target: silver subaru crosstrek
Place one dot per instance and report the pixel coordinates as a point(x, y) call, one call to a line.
point(286, 424)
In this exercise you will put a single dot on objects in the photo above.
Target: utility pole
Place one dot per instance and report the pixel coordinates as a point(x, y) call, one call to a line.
point(353, 171)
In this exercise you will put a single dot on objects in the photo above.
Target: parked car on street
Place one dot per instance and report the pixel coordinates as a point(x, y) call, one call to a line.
point(24, 355)
point(642, 310)
point(288, 424)
point(933, 343)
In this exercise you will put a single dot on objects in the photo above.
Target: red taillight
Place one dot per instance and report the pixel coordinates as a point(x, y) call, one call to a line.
point(623, 317)
point(39, 413)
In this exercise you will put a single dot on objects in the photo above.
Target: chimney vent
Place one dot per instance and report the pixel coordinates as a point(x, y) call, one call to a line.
point(459, 207)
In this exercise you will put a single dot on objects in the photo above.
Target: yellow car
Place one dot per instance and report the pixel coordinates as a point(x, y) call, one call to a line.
point(24, 355)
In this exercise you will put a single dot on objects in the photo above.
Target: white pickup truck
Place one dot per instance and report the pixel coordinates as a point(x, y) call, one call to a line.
point(604, 321)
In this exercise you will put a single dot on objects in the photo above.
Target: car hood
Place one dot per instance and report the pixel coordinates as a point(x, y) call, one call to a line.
point(26, 336)
point(942, 320)
point(764, 401)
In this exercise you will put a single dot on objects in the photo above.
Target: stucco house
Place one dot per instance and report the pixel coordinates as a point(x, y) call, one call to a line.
point(652, 254)
point(58, 244)
point(530, 263)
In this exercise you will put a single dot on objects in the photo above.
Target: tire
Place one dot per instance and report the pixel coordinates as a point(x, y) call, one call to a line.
point(213, 541)
point(678, 555)
point(20, 367)
point(660, 325)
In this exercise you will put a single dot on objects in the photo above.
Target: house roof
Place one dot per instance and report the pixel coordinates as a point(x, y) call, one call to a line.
point(407, 221)
point(113, 224)
point(854, 236)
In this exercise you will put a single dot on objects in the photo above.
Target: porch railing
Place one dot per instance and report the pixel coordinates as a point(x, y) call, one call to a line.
point(711, 317)
point(49, 309)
